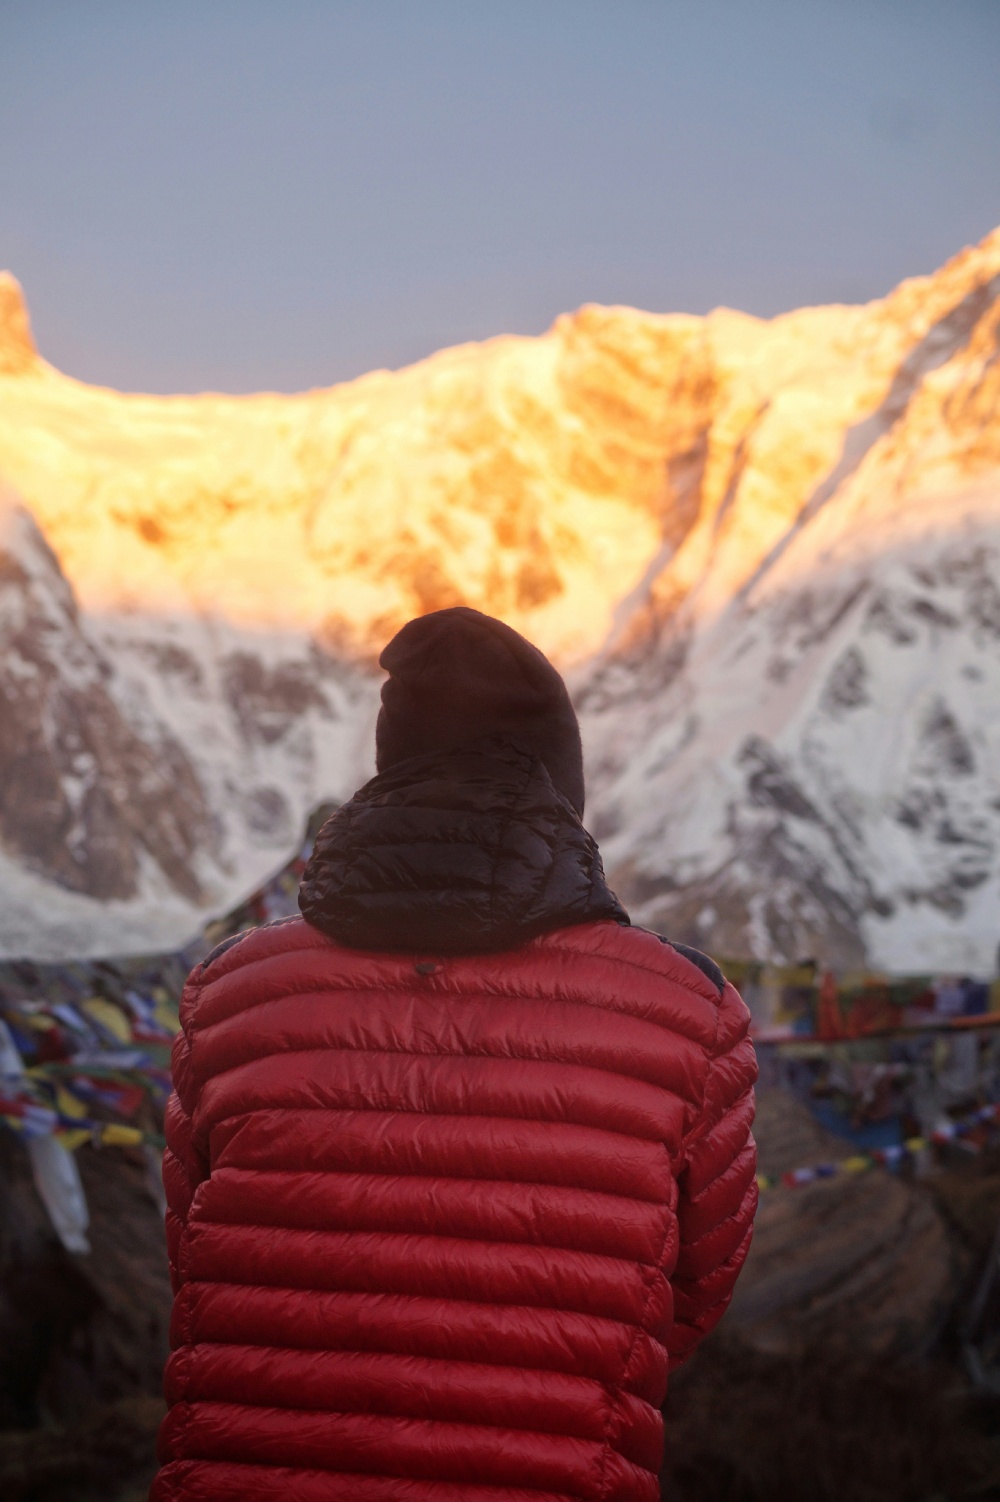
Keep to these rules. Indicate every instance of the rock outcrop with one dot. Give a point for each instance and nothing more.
(17, 346)
(859, 1265)
(84, 795)
(144, 781)
(78, 1332)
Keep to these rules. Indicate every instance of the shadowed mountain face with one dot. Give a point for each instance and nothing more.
(820, 776)
(769, 553)
(797, 735)
(85, 796)
(144, 776)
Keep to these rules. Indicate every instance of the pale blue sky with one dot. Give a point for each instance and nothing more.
(239, 194)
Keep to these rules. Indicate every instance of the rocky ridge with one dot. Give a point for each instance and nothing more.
(796, 736)
(768, 552)
(144, 776)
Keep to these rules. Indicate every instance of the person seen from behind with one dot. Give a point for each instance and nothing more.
(459, 1163)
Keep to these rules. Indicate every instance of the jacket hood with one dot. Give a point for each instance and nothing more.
(457, 675)
(458, 852)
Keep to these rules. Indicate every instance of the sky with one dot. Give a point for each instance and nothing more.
(277, 194)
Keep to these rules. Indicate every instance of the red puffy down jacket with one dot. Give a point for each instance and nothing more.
(439, 1226)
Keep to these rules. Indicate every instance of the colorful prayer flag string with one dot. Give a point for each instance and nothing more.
(891, 1157)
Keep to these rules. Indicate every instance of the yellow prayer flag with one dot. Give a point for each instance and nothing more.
(68, 1105)
(114, 1135)
(166, 1016)
(108, 1016)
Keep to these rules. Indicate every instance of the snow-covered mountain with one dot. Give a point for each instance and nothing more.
(796, 738)
(148, 778)
(767, 552)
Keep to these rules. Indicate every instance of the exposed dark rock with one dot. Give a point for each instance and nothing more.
(968, 1197)
(944, 748)
(774, 890)
(647, 661)
(958, 843)
(826, 1427)
(267, 813)
(885, 616)
(847, 686)
(174, 662)
(769, 780)
(685, 475)
(933, 614)
(820, 1402)
(856, 1263)
(984, 602)
(76, 1332)
(111, 1453)
(807, 619)
(916, 806)
(82, 794)
(789, 1136)
(267, 702)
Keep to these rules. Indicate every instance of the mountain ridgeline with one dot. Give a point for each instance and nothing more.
(766, 553)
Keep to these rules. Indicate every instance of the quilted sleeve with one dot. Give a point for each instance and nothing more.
(718, 1186)
(183, 1166)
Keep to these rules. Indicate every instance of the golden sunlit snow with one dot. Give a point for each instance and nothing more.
(537, 479)
(766, 549)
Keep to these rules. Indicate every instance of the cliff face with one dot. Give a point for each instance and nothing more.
(84, 794)
(767, 552)
(796, 737)
(151, 769)
(533, 478)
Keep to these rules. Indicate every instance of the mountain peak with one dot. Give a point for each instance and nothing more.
(769, 550)
(17, 346)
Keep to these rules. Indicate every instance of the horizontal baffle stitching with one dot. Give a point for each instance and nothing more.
(727, 1220)
(319, 941)
(398, 1418)
(400, 1110)
(401, 1293)
(381, 988)
(419, 1111)
(450, 883)
(409, 1053)
(439, 1361)
(283, 1465)
(512, 995)
(442, 1177)
(450, 1360)
(631, 964)
(423, 1298)
(439, 1236)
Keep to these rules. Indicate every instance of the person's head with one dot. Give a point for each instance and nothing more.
(456, 675)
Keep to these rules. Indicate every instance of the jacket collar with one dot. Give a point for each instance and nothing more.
(465, 851)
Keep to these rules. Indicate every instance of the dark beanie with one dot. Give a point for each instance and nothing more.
(456, 675)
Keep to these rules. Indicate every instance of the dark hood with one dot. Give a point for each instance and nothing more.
(457, 852)
(456, 676)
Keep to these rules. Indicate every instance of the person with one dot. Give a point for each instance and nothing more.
(459, 1162)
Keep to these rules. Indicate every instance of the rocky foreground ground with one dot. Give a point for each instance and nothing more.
(837, 1375)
